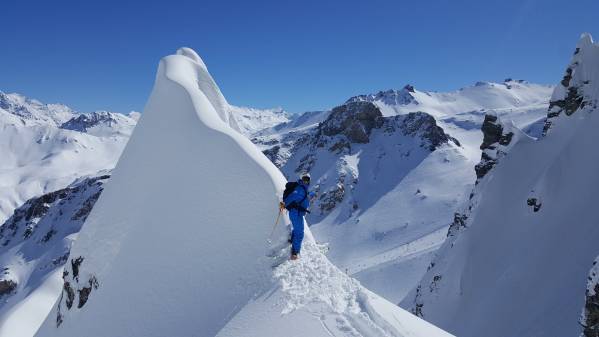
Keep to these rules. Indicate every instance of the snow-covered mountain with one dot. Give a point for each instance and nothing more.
(45, 147)
(249, 121)
(35, 243)
(391, 168)
(171, 258)
(518, 256)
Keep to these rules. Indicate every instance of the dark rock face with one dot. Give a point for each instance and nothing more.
(7, 287)
(493, 136)
(85, 121)
(273, 153)
(459, 222)
(355, 120)
(73, 289)
(570, 104)
(573, 98)
(38, 229)
(85, 291)
(331, 198)
(419, 124)
(25, 219)
(492, 131)
(534, 203)
(590, 316)
(591, 307)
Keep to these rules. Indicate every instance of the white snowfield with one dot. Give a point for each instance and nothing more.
(177, 243)
(40, 155)
(516, 270)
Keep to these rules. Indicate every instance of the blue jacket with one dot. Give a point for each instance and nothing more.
(300, 193)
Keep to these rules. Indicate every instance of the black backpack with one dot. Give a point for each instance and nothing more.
(289, 188)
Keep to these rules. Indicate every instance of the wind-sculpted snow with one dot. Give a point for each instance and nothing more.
(185, 217)
(517, 263)
(177, 243)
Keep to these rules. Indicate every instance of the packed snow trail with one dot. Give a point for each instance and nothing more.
(314, 298)
(176, 244)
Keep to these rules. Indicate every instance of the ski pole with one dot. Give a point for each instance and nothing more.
(275, 225)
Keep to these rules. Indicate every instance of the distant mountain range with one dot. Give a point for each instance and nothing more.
(390, 169)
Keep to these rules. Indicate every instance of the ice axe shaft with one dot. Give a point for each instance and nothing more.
(275, 225)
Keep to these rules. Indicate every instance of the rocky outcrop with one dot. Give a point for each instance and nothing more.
(40, 232)
(419, 125)
(498, 138)
(590, 313)
(349, 129)
(7, 287)
(576, 89)
(83, 122)
(74, 290)
(354, 120)
(24, 221)
(495, 139)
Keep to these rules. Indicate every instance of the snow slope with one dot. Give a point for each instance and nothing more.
(250, 121)
(34, 245)
(187, 255)
(46, 147)
(385, 201)
(518, 264)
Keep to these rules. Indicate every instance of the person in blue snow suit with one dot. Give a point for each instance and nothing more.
(297, 203)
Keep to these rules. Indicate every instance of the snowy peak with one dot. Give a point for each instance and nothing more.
(100, 123)
(22, 110)
(250, 121)
(498, 137)
(388, 97)
(18, 110)
(578, 89)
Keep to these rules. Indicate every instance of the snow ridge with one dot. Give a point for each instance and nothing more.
(515, 264)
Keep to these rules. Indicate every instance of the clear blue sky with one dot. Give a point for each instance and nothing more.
(301, 55)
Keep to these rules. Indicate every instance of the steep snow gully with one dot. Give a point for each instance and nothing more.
(186, 255)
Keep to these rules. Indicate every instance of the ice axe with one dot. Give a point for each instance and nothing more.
(281, 208)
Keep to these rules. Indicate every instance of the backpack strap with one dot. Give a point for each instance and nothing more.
(305, 193)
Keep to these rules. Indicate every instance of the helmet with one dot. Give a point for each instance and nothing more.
(306, 176)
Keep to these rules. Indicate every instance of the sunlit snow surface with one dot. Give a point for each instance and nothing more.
(514, 270)
(178, 240)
